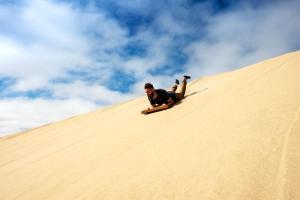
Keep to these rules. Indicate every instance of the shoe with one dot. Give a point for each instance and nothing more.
(177, 81)
(186, 77)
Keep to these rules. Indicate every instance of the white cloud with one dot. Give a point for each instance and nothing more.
(88, 92)
(45, 39)
(245, 36)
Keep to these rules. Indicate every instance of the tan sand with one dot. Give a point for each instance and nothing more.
(236, 136)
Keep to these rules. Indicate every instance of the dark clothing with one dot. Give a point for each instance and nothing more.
(173, 95)
(162, 97)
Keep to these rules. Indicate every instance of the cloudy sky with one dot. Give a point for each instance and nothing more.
(61, 58)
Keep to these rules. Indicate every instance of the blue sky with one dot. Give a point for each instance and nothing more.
(62, 58)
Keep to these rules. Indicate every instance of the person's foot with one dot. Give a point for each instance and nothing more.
(186, 77)
(177, 82)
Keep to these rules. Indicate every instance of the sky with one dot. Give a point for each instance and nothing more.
(60, 58)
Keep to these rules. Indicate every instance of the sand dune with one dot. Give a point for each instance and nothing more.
(235, 136)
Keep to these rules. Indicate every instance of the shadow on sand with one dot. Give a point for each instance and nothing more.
(193, 93)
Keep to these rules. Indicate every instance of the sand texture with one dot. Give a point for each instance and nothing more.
(236, 136)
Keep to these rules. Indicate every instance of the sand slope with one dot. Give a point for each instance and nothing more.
(236, 136)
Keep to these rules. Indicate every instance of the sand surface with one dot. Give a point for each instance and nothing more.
(235, 136)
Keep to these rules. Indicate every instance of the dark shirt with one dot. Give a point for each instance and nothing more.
(162, 97)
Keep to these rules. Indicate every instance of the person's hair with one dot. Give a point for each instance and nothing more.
(148, 86)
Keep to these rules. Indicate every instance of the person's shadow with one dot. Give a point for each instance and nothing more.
(193, 93)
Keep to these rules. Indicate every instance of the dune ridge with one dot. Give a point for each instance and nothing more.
(235, 136)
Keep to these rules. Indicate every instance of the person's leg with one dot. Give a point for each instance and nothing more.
(174, 88)
(181, 94)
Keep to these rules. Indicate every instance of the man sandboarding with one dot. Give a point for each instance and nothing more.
(161, 99)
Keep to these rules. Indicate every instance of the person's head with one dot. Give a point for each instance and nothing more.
(149, 89)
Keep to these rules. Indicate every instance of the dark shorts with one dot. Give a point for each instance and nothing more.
(173, 95)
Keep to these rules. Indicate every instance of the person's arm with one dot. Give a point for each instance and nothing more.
(157, 108)
(168, 105)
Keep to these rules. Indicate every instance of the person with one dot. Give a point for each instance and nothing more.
(166, 99)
